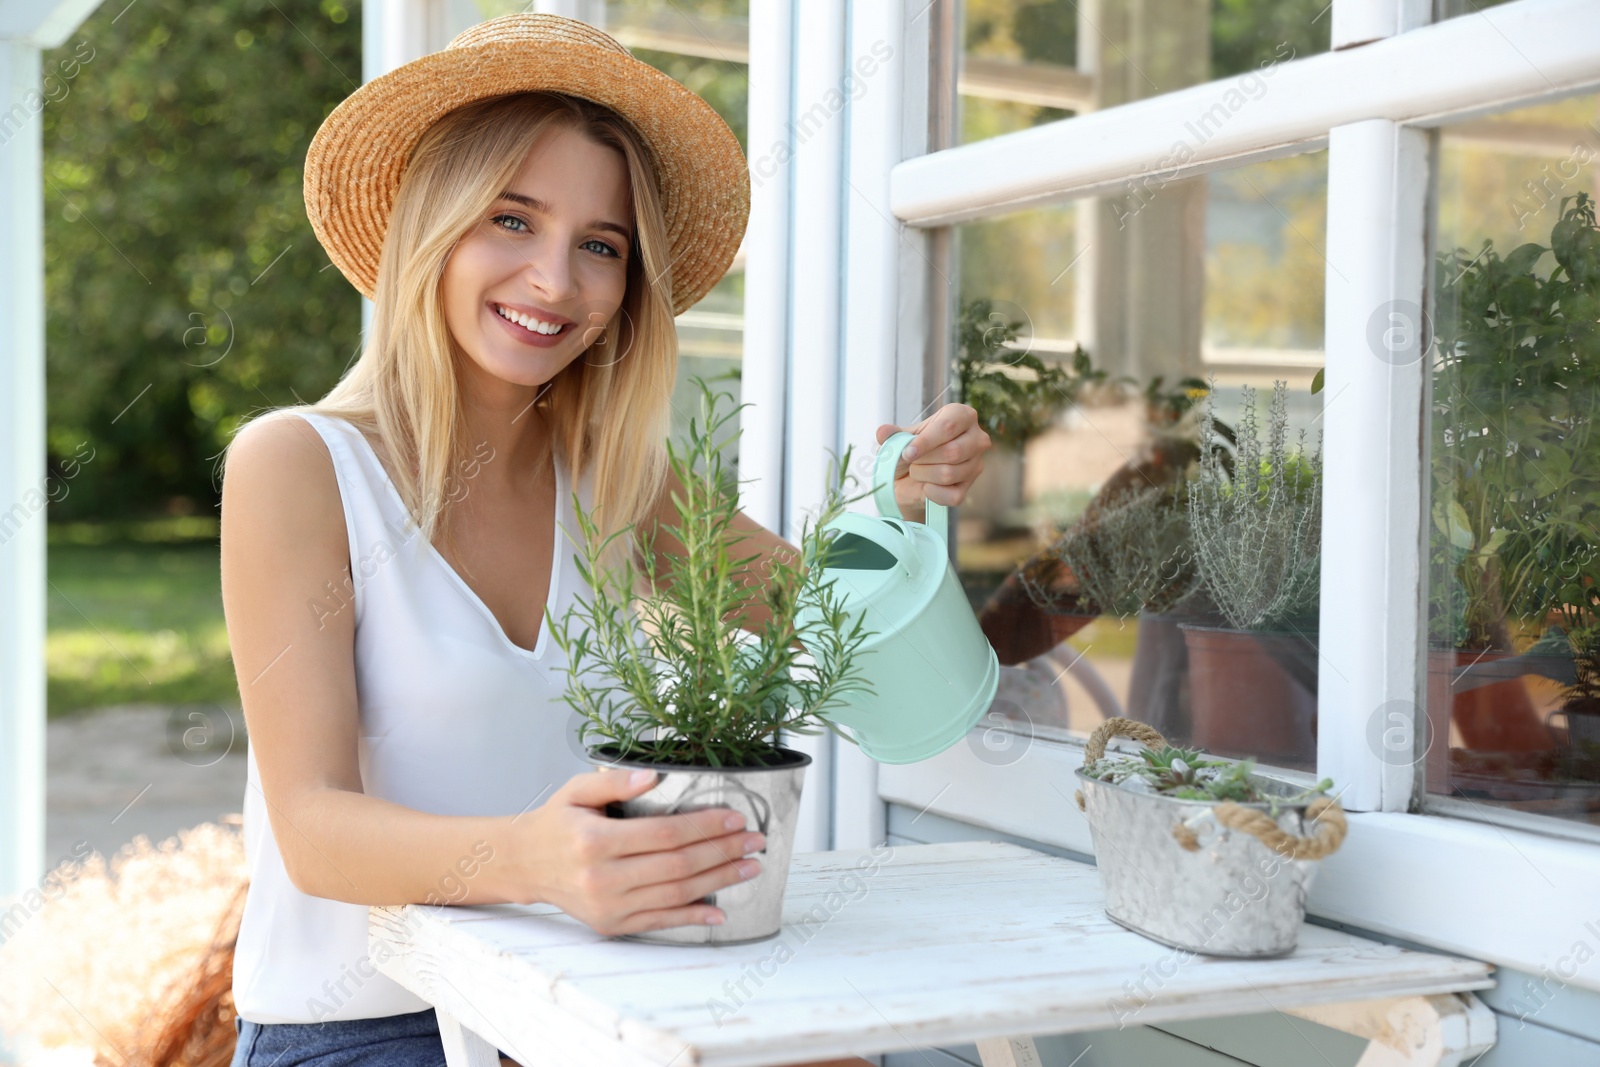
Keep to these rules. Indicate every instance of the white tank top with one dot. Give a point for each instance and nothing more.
(455, 720)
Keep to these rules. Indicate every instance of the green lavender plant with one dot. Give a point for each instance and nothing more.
(665, 678)
(1258, 531)
(1134, 553)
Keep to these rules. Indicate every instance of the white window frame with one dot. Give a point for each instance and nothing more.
(1370, 101)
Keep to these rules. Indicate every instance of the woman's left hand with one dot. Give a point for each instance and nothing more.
(941, 463)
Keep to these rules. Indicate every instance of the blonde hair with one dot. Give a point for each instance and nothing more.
(607, 411)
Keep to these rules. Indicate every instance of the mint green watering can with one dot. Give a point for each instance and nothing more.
(931, 669)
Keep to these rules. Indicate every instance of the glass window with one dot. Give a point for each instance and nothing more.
(1028, 62)
(1513, 669)
(1145, 539)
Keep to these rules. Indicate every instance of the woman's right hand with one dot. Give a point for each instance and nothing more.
(625, 876)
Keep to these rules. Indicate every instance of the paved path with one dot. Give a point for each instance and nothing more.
(140, 769)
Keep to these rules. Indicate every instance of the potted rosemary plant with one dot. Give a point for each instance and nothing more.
(663, 681)
(1257, 533)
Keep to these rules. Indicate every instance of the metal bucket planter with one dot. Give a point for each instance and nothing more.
(769, 799)
(1216, 878)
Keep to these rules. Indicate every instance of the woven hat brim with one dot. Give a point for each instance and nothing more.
(355, 162)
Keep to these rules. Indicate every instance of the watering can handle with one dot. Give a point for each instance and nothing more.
(937, 518)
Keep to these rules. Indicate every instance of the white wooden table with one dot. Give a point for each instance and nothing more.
(892, 949)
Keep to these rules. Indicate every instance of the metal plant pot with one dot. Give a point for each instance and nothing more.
(1220, 879)
(769, 799)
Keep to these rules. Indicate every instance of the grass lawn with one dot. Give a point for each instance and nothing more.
(135, 615)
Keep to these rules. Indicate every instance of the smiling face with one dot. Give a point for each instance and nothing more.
(530, 286)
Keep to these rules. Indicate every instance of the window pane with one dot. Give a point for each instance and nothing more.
(1028, 62)
(1115, 568)
(1514, 660)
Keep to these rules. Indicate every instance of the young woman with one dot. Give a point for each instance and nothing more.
(529, 209)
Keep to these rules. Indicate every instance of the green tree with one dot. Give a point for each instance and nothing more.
(184, 286)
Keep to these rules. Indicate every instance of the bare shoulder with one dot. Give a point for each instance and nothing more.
(280, 465)
(281, 510)
(283, 443)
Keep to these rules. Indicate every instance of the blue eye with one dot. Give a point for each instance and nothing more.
(603, 248)
(496, 219)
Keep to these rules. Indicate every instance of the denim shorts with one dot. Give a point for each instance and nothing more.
(410, 1040)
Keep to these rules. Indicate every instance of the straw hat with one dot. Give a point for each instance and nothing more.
(354, 165)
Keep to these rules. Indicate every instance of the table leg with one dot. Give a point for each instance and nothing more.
(1008, 1052)
(1449, 1030)
(462, 1047)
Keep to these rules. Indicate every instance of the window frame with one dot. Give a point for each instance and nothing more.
(1404, 871)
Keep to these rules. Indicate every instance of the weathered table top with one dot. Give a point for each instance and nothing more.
(902, 947)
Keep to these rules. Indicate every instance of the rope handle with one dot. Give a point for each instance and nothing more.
(1120, 727)
(1326, 812)
(1116, 726)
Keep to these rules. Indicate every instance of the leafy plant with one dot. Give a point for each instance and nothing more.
(1131, 550)
(1016, 394)
(670, 682)
(1134, 553)
(1186, 774)
(1258, 528)
(1516, 482)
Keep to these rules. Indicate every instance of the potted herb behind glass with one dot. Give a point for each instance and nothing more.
(662, 680)
(1131, 553)
(1515, 581)
(1257, 532)
(1017, 396)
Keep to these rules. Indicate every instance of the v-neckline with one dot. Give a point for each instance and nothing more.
(542, 642)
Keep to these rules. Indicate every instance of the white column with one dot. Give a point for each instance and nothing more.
(875, 66)
(764, 381)
(1362, 21)
(1369, 679)
(816, 131)
(1371, 689)
(393, 33)
(25, 30)
(591, 11)
(22, 470)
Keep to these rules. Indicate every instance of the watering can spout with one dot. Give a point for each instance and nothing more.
(931, 668)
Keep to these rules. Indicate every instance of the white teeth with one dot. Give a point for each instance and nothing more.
(528, 322)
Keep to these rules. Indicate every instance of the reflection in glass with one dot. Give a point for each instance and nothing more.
(1028, 62)
(1514, 635)
(1145, 539)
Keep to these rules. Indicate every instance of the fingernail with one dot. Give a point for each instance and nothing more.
(910, 452)
(734, 822)
(640, 777)
(714, 919)
(754, 843)
(749, 868)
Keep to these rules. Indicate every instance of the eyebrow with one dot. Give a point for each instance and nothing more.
(533, 203)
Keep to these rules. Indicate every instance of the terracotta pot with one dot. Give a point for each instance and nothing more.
(1492, 716)
(1249, 694)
